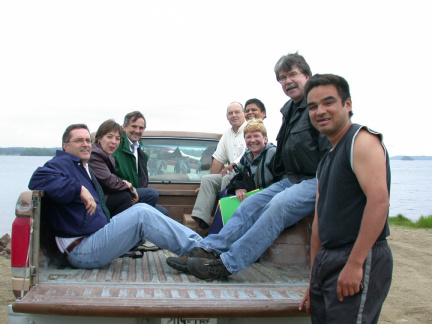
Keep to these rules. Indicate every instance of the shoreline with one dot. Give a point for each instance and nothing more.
(409, 298)
(413, 220)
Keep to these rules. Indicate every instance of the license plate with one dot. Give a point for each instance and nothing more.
(189, 321)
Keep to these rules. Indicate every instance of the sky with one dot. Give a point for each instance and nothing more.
(182, 62)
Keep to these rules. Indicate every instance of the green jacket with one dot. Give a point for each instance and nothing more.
(126, 165)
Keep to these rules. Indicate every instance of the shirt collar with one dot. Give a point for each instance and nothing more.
(136, 144)
(240, 128)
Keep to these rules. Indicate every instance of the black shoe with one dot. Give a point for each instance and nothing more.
(134, 254)
(207, 269)
(180, 263)
(202, 227)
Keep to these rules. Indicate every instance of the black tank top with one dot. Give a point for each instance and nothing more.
(341, 200)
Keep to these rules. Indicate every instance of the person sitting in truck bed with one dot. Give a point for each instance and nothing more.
(230, 149)
(255, 109)
(119, 194)
(258, 221)
(255, 169)
(78, 216)
(131, 161)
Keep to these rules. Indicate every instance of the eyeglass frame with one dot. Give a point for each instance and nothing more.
(291, 75)
(80, 141)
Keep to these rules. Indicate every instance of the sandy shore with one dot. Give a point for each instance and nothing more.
(410, 297)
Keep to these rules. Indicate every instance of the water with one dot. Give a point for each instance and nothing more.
(15, 173)
(411, 190)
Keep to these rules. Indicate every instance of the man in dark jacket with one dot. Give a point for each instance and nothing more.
(83, 232)
(259, 220)
(131, 161)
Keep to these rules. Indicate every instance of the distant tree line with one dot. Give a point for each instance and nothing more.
(28, 151)
(36, 151)
(11, 150)
(411, 158)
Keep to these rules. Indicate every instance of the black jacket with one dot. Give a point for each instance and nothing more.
(300, 146)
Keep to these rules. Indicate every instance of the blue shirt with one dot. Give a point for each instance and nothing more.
(61, 178)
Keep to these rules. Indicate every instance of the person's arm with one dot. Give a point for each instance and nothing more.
(220, 156)
(133, 192)
(107, 179)
(315, 246)
(315, 240)
(62, 189)
(51, 178)
(228, 169)
(237, 185)
(88, 200)
(369, 164)
(216, 166)
(241, 194)
(270, 166)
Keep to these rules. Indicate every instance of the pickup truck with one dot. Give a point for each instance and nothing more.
(140, 287)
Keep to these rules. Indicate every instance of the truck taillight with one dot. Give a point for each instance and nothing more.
(20, 245)
(20, 241)
(21, 231)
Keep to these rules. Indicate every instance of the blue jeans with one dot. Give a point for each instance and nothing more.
(150, 196)
(259, 221)
(217, 223)
(126, 230)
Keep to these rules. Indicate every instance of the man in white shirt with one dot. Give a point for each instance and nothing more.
(230, 149)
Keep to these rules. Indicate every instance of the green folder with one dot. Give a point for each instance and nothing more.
(228, 205)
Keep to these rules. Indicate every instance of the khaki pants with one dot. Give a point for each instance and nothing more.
(211, 186)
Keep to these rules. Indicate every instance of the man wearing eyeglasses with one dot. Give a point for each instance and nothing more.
(131, 161)
(79, 219)
(260, 219)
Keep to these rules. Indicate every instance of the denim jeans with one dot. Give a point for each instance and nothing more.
(217, 223)
(259, 220)
(150, 196)
(126, 230)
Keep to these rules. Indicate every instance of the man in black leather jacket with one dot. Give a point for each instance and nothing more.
(258, 221)
(300, 146)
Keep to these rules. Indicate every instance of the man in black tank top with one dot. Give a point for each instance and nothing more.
(350, 259)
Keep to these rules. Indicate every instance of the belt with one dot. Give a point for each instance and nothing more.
(73, 245)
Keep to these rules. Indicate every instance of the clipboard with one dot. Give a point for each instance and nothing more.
(228, 205)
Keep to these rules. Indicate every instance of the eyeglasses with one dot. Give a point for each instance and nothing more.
(80, 141)
(292, 75)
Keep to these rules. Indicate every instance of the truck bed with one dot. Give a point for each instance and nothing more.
(148, 287)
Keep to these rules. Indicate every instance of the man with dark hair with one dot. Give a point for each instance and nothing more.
(68, 132)
(255, 109)
(131, 161)
(350, 258)
(82, 228)
(261, 218)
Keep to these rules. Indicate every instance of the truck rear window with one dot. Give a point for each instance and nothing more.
(173, 159)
